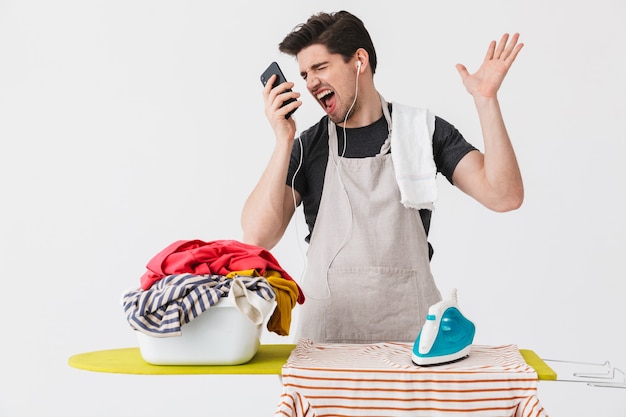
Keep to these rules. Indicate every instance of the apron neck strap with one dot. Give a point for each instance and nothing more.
(332, 132)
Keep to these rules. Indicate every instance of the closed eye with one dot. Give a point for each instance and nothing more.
(316, 68)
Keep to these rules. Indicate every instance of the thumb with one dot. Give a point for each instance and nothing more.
(462, 70)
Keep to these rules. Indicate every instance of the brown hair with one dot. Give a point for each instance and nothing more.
(341, 32)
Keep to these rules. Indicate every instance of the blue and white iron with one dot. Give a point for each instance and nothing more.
(446, 336)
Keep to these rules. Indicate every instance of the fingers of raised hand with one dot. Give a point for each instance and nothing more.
(506, 49)
(512, 47)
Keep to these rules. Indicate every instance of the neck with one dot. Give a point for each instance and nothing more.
(367, 109)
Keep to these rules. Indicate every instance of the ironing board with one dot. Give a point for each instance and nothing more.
(269, 360)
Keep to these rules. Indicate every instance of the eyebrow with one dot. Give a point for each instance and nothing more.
(313, 67)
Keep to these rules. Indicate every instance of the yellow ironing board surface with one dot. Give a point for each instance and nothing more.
(544, 372)
(269, 360)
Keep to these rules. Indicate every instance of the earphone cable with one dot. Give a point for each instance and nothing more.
(295, 206)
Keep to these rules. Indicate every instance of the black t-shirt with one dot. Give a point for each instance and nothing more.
(449, 147)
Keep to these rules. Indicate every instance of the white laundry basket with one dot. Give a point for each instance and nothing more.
(221, 335)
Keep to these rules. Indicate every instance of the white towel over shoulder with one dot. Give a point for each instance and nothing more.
(412, 154)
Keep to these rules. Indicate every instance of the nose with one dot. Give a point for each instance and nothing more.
(312, 82)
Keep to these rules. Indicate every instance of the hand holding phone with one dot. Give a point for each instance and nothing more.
(280, 78)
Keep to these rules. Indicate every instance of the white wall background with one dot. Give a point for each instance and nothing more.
(126, 125)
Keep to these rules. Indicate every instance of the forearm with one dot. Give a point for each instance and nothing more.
(501, 170)
(266, 212)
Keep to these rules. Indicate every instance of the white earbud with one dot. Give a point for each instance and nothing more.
(358, 65)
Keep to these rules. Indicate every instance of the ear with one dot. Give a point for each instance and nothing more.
(362, 59)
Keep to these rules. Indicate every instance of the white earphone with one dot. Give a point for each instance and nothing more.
(358, 65)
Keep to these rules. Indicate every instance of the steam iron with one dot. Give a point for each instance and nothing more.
(447, 335)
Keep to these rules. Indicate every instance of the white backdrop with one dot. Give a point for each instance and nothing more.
(126, 125)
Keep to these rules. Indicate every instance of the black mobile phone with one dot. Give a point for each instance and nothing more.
(280, 78)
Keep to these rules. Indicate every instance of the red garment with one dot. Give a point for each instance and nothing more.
(218, 257)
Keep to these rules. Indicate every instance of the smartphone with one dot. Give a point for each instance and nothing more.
(280, 78)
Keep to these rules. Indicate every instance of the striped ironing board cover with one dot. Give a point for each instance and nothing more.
(381, 380)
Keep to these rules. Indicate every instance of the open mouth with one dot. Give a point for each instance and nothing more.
(325, 97)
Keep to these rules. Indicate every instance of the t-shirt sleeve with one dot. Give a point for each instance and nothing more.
(449, 147)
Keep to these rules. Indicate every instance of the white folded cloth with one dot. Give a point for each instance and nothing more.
(412, 154)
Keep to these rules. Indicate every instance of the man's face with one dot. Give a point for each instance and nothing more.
(330, 80)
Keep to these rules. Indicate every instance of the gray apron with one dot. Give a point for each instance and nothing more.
(368, 275)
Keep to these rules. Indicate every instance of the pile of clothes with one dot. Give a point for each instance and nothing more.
(189, 276)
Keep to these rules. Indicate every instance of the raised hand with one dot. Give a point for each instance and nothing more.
(487, 80)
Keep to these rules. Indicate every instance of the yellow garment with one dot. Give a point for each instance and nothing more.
(286, 298)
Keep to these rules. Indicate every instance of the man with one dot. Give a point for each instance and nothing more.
(368, 275)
